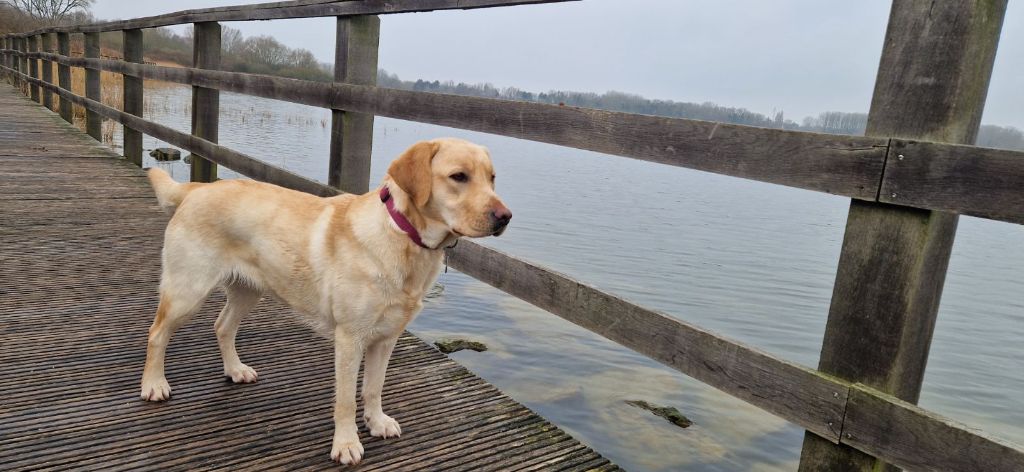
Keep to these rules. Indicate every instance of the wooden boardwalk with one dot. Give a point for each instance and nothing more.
(80, 237)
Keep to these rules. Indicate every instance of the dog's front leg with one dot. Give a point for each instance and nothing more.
(348, 352)
(377, 355)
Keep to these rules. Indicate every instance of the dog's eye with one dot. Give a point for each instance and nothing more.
(459, 177)
(492, 177)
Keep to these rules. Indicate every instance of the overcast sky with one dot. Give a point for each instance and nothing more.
(799, 56)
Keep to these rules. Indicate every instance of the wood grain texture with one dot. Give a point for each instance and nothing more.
(132, 95)
(64, 76)
(795, 393)
(46, 45)
(93, 122)
(932, 82)
(355, 62)
(292, 9)
(33, 66)
(318, 94)
(206, 54)
(88, 268)
(981, 182)
(919, 440)
(842, 165)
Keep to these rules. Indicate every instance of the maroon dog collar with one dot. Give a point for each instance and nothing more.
(400, 219)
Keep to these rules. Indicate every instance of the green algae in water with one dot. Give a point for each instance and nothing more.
(669, 413)
(449, 346)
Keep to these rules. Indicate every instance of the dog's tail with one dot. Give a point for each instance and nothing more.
(168, 192)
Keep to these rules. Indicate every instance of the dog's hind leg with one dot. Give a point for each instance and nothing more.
(241, 300)
(180, 299)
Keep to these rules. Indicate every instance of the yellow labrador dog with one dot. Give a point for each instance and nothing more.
(358, 265)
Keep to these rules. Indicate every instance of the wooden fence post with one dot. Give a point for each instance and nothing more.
(33, 66)
(206, 51)
(132, 94)
(47, 46)
(93, 121)
(932, 83)
(355, 62)
(64, 76)
(23, 61)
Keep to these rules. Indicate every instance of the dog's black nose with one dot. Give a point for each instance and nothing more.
(501, 216)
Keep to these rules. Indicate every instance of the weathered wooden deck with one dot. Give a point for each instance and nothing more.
(80, 236)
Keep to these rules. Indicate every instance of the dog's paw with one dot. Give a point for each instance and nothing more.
(383, 426)
(241, 374)
(155, 390)
(346, 449)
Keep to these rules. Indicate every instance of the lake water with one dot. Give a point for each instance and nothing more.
(753, 261)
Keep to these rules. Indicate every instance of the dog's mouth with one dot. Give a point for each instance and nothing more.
(500, 230)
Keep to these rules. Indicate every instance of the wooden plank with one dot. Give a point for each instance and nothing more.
(293, 9)
(842, 165)
(932, 82)
(963, 179)
(33, 66)
(132, 94)
(790, 391)
(919, 440)
(47, 46)
(93, 122)
(64, 76)
(355, 62)
(205, 101)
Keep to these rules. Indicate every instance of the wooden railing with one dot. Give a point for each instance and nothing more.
(904, 190)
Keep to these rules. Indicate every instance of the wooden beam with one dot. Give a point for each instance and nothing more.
(964, 179)
(23, 61)
(941, 188)
(47, 46)
(842, 165)
(917, 439)
(93, 91)
(206, 53)
(355, 62)
(932, 82)
(33, 66)
(292, 9)
(64, 76)
(788, 390)
(132, 95)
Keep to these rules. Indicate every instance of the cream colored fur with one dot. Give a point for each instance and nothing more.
(341, 262)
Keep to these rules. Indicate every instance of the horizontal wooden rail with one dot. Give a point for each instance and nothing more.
(875, 423)
(969, 180)
(285, 10)
(988, 183)
(850, 166)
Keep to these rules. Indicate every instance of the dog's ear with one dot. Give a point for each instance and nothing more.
(411, 171)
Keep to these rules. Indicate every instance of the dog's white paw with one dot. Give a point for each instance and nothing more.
(241, 373)
(346, 448)
(156, 390)
(383, 426)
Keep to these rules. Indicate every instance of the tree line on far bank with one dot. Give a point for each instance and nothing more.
(267, 55)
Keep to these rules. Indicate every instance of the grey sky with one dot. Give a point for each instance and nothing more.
(800, 56)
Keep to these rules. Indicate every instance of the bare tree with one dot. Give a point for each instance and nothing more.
(49, 12)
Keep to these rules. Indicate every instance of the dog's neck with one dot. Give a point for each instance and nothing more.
(421, 230)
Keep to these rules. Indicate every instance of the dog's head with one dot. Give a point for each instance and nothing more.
(452, 181)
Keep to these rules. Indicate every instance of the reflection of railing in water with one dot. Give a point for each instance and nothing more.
(897, 241)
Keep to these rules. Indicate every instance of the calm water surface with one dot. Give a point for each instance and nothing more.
(753, 261)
